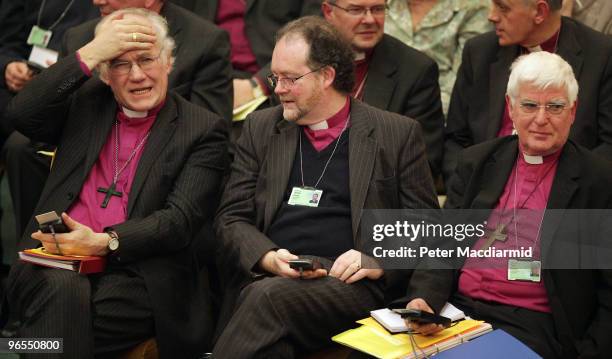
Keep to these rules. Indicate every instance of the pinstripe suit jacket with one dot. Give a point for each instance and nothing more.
(173, 192)
(387, 164)
(403, 80)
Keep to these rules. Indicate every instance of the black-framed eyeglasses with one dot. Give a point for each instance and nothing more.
(376, 11)
(145, 63)
(288, 82)
(553, 108)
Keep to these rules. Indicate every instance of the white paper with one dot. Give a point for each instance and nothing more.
(42, 56)
(392, 321)
(450, 311)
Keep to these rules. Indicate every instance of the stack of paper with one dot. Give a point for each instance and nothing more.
(240, 113)
(373, 339)
(392, 321)
(450, 311)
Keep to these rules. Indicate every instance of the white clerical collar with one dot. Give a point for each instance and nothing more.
(360, 56)
(134, 114)
(533, 160)
(319, 126)
(536, 48)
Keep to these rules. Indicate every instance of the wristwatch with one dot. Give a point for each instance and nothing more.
(113, 242)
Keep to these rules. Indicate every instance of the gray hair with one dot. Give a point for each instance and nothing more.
(543, 70)
(160, 26)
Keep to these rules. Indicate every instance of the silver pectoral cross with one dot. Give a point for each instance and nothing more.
(499, 234)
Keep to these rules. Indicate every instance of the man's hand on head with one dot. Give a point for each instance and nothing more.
(17, 75)
(116, 36)
(80, 240)
(277, 263)
(348, 268)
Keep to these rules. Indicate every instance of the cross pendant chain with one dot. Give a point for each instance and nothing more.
(499, 234)
(111, 190)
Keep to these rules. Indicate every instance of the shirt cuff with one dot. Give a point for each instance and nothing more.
(84, 67)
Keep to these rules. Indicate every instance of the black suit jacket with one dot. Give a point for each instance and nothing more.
(263, 18)
(173, 192)
(580, 299)
(202, 71)
(387, 165)
(405, 81)
(477, 102)
(16, 20)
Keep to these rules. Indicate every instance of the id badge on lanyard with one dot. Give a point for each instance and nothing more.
(305, 196)
(39, 36)
(524, 270)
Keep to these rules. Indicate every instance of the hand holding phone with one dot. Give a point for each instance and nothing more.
(303, 264)
(423, 317)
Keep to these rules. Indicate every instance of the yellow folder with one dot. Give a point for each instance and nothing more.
(373, 339)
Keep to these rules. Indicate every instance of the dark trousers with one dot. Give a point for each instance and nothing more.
(27, 172)
(280, 318)
(98, 315)
(534, 329)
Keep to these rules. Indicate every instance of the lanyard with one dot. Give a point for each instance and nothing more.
(514, 216)
(60, 18)
(328, 160)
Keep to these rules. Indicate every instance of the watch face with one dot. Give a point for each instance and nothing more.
(113, 244)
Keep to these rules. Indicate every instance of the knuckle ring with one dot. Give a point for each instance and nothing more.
(57, 246)
(134, 36)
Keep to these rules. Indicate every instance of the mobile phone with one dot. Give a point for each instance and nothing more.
(304, 264)
(423, 317)
(49, 220)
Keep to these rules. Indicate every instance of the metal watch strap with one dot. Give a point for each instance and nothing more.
(114, 237)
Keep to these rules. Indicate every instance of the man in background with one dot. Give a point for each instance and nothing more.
(478, 110)
(390, 75)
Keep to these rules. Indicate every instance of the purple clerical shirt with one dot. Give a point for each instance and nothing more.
(321, 138)
(230, 17)
(361, 73)
(86, 209)
(487, 278)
